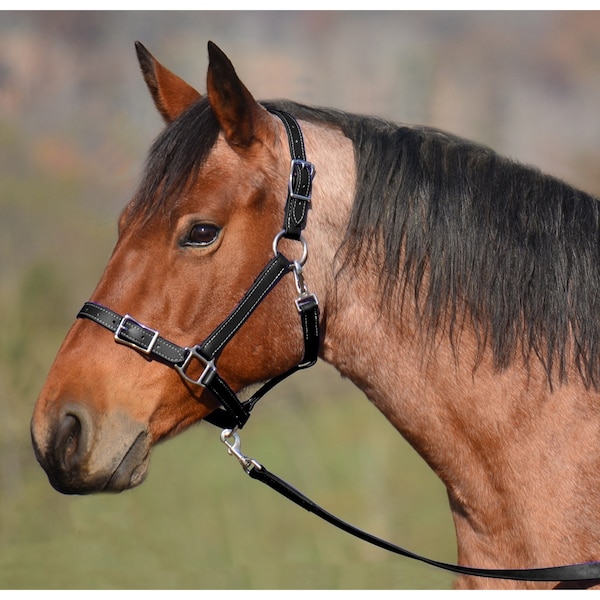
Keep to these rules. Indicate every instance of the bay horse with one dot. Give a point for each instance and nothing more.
(459, 290)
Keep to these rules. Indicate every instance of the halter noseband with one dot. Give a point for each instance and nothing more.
(233, 412)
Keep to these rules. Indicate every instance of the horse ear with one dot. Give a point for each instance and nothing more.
(171, 94)
(242, 119)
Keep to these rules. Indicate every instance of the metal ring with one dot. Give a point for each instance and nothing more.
(278, 237)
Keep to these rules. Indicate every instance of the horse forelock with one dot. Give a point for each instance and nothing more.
(175, 159)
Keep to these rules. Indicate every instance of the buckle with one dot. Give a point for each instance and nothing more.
(137, 342)
(209, 371)
(306, 302)
(302, 164)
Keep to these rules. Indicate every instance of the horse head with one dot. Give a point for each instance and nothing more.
(191, 241)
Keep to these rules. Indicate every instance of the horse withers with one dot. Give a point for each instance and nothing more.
(457, 289)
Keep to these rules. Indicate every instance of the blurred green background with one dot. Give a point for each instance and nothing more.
(75, 123)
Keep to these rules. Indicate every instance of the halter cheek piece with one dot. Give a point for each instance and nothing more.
(234, 413)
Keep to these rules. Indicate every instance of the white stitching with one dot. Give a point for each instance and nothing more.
(237, 309)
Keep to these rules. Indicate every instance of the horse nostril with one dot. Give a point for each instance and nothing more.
(68, 442)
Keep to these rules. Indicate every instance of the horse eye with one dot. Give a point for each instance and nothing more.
(202, 234)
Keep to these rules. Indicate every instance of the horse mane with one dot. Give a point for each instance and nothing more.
(475, 237)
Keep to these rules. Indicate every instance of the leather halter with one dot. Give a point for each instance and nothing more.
(234, 413)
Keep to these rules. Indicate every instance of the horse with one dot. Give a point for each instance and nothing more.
(458, 289)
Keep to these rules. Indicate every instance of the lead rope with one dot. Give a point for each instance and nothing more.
(576, 572)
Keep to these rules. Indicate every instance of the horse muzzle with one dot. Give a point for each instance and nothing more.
(83, 453)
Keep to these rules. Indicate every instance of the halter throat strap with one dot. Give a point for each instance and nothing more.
(233, 412)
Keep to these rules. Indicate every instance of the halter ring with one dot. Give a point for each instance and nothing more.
(302, 260)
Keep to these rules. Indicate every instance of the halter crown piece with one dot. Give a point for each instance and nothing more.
(234, 413)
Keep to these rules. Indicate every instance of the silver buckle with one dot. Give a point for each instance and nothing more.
(131, 343)
(208, 373)
(306, 302)
(303, 164)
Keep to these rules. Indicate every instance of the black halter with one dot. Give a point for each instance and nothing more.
(234, 413)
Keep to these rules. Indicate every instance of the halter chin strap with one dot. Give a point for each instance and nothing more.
(233, 412)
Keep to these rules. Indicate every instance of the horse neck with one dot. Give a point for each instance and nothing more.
(520, 462)
(519, 459)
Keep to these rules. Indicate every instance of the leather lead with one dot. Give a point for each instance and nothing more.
(576, 572)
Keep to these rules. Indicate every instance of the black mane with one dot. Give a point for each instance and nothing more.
(477, 239)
